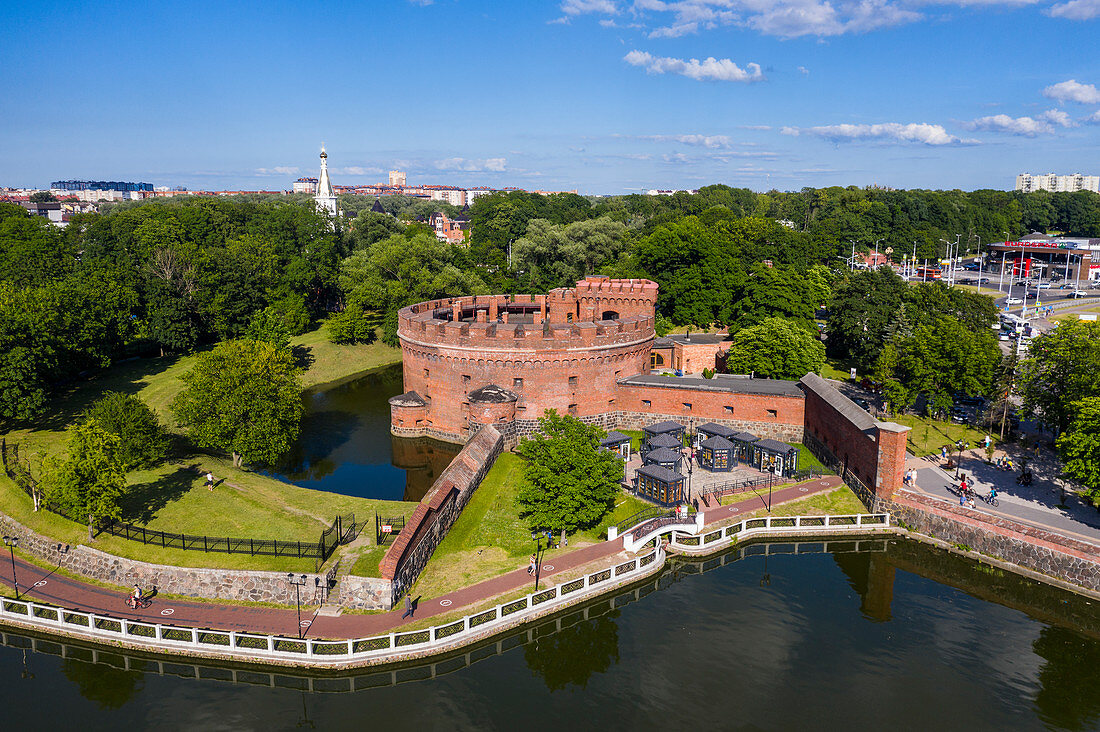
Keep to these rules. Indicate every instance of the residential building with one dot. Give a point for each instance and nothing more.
(397, 178)
(306, 185)
(1057, 183)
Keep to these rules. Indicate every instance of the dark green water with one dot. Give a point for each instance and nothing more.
(903, 637)
(346, 446)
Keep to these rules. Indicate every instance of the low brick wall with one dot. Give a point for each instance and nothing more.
(212, 584)
(439, 509)
(1054, 555)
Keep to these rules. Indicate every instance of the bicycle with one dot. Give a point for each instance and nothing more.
(991, 499)
(136, 603)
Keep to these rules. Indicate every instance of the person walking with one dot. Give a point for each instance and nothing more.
(209, 481)
(531, 564)
(408, 607)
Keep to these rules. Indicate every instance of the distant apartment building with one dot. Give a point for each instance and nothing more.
(397, 178)
(453, 196)
(472, 194)
(1057, 183)
(668, 191)
(306, 185)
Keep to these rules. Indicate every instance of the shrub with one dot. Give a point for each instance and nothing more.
(142, 440)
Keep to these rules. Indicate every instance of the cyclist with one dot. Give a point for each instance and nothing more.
(992, 492)
(135, 597)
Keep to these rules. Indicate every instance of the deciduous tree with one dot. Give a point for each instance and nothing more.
(775, 349)
(91, 481)
(1079, 446)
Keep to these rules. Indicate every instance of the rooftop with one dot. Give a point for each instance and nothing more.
(662, 455)
(698, 338)
(614, 438)
(660, 473)
(720, 383)
(492, 393)
(662, 427)
(774, 446)
(712, 428)
(717, 443)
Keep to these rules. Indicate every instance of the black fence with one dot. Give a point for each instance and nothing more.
(343, 530)
(395, 524)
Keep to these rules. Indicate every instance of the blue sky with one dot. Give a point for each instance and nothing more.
(606, 96)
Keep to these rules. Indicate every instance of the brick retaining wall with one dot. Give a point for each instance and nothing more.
(1029, 547)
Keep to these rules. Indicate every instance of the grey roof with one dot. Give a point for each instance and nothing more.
(614, 438)
(662, 342)
(717, 443)
(699, 338)
(660, 473)
(773, 387)
(662, 427)
(663, 440)
(858, 417)
(408, 399)
(746, 437)
(713, 428)
(662, 455)
(492, 393)
(773, 445)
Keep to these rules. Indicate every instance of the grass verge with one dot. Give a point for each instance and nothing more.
(928, 435)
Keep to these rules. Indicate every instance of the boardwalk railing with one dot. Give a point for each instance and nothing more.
(774, 525)
(317, 652)
(716, 492)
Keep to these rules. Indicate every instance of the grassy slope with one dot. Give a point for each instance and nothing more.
(171, 498)
(928, 435)
(490, 539)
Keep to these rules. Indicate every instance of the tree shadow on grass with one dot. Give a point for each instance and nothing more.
(303, 356)
(143, 500)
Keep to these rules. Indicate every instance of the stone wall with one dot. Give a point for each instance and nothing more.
(365, 593)
(1041, 551)
(213, 584)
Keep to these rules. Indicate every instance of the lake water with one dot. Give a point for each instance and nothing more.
(346, 446)
(903, 637)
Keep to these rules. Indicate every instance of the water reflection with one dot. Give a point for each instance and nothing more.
(346, 446)
(931, 639)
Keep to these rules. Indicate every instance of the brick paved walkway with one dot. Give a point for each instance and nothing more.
(58, 589)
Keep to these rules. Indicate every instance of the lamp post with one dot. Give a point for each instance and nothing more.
(536, 536)
(958, 456)
(12, 542)
(298, 582)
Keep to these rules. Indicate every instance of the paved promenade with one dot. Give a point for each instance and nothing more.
(1036, 505)
(54, 588)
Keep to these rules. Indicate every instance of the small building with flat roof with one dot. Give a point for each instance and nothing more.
(772, 456)
(659, 485)
(617, 442)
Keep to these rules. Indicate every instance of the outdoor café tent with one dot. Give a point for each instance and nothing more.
(716, 454)
(659, 484)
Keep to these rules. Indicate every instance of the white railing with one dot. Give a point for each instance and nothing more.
(707, 541)
(316, 652)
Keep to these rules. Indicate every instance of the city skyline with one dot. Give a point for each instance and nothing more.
(600, 95)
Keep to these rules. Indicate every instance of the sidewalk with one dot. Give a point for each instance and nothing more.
(42, 584)
(1036, 505)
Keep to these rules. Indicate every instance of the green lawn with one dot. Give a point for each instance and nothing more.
(928, 435)
(838, 502)
(837, 369)
(489, 538)
(807, 459)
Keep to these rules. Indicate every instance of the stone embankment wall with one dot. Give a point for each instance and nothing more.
(365, 593)
(213, 584)
(1041, 551)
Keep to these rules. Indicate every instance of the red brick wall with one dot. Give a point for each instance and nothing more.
(692, 358)
(851, 446)
(764, 416)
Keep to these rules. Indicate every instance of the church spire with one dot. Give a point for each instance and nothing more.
(326, 197)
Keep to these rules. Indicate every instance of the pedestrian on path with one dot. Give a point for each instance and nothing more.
(943, 452)
(408, 607)
(531, 564)
(209, 481)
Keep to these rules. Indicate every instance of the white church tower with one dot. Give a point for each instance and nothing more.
(326, 197)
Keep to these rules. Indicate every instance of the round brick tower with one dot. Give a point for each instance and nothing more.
(565, 350)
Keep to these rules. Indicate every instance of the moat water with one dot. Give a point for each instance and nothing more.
(901, 636)
(346, 446)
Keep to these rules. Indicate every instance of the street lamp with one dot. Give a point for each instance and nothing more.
(958, 456)
(298, 582)
(12, 542)
(536, 536)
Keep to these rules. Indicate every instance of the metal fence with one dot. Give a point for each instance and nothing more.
(343, 529)
(387, 528)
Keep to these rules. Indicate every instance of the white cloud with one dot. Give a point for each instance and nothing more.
(675, 31)
(1075, 10)
(755, 127)
(1057, 117)
(583, 7)
(1023, 126)
(918, 132)
(708, 141)
(421, 2)
(709, 69)
(279, 170)
(677, 158)
(494, 165)
(1073, 91)
(803, 70)
(1093, 119)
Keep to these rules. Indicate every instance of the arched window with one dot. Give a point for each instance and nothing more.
(610, 315)
(656, 359)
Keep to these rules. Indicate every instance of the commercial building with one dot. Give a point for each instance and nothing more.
(1041, 256)
(1057, 183)
(99, 185)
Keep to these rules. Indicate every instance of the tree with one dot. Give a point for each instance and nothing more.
(569, 482)
(1079, 446)
(352, 325)
(42, 197)
(775, 349)
(244, 397)
(142, 441)
(860, 312)
(92, 480)
(1061, 369)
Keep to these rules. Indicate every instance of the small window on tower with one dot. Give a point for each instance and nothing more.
(517, 383)
(729, 409)
(572, 382)
(465, 379)
(647, 403)
(573, 410)
(773, 413)
(687, 406)
(426, 373)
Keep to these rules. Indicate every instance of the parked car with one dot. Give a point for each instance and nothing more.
(959, 416)
(968, 400)
(1078, 293)
(1014, 301)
